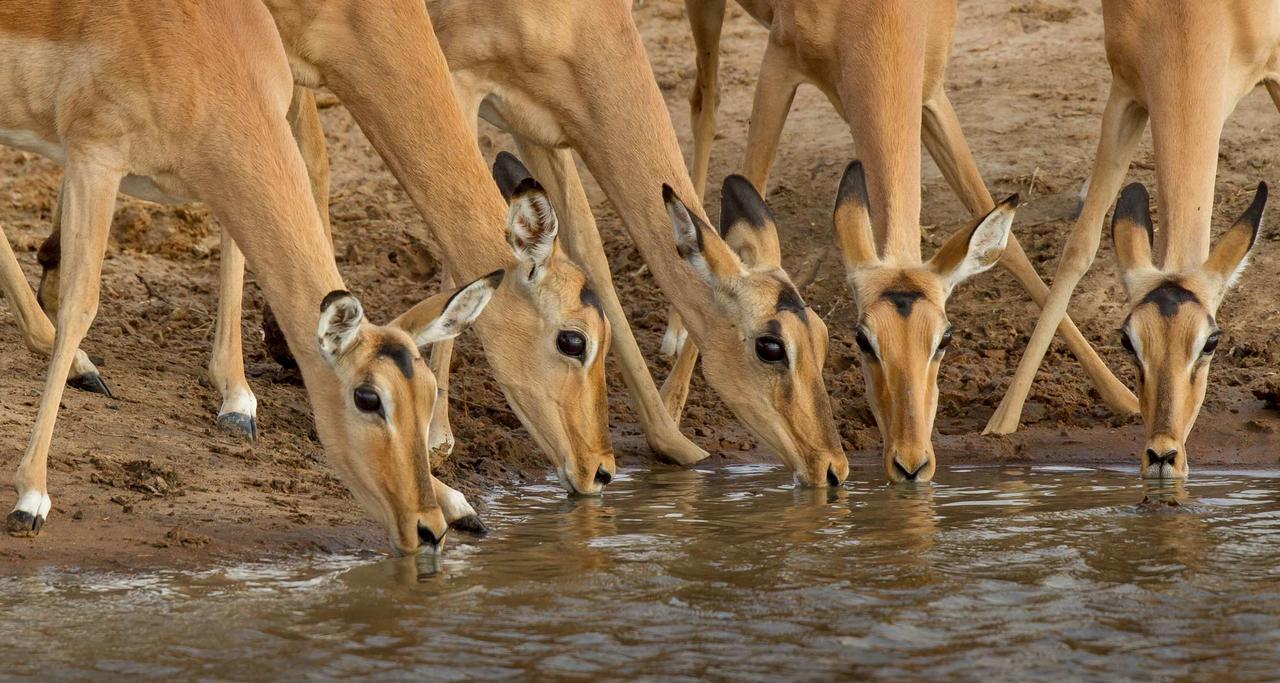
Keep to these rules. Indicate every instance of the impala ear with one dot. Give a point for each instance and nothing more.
(747, 225)
(1133, 233)
(852, 220)
(340, 318)
(508, 171)
(698, 244)
(1229, 258)
(975, 248)
(531, 229)
(445, 315)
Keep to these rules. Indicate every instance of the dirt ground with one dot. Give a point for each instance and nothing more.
(148, 479)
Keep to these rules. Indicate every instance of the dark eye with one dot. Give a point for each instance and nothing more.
(771, 350)
(1211, 344)
(571, 343)
(366, 399)
(1127, 343)
(946, 339)
(864, 343)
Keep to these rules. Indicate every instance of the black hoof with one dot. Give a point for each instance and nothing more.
(470, 524)
(90, 382)
(239, 423)
(22, 523)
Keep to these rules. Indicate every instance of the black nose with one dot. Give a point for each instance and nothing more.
(426, 536)
(603, 476)
(833, 479)
(1165, 458)
(909, 475)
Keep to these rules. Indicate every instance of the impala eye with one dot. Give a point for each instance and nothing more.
(771, 350)
(864, 343)
(1127, 343)
(946, 339)
(1211, 344)
(367, 400)
(571, 343)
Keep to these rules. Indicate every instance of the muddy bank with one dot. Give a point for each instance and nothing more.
(148, 478)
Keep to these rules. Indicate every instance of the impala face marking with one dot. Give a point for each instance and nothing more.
(382, 452)
(903, 332)
(554, 378)
(767, 361)
(1171, 332)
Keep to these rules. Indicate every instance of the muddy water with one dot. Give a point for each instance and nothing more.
(1004, 573)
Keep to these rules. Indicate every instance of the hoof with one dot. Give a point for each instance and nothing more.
(239, 423)
(24, 524)
(470, 524)
(90, 382)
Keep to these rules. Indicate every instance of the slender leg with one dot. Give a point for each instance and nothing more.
(457, 511)
(1122, 125)
(706, 18)
(86, 220)
(239, 410)
(556, 171)
(440, 435)
(304, 123)
(37, 329)
(1273, 89)
(946, 144)
(775, 91)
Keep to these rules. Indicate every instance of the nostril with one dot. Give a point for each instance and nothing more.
(603, 476)
(833, 479)
(907, 474)
(1166, 458)
(426, 536)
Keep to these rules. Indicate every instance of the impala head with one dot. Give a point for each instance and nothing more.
(764, 355)
(1170, 331)
(902, 330)
(376, 432)
(550, 340)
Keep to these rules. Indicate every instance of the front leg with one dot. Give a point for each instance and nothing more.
(239, 411)
(90, 188)
(457, 511)
(946, 144)
(1122, 125)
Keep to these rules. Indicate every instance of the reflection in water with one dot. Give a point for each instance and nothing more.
(996, 572)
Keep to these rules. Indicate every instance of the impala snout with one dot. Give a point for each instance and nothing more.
(908, 467)
(589, 476)
(1164, 458)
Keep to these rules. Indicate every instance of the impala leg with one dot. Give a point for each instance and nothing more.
(86, 220)
(946, 144)
(457, 511)
(440, 435)
(33, 322)
(1122, 125)
(239, 411)
(775, 91)
(706, 18)
(558, 174)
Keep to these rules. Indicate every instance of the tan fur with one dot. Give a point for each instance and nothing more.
(191, 103)
(1184, 65)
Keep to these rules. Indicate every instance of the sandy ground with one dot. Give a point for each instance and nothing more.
(147, 478)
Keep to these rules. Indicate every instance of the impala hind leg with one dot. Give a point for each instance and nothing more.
(946, 144)
(775, 92)
(239, 411)
(706, 19)
(1122, 125)
(90, 196)
(555, 169)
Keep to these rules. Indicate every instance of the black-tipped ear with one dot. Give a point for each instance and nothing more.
(697, 243)
(340, 318)
(1132, 230)
(852, 218)
(1230, 256)
(747, 225)
(531, 228)
(508, 172)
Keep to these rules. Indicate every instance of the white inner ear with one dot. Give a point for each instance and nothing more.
(339, 326)
(985, 247)
(462, 309)
(686, 232)
(533, 225)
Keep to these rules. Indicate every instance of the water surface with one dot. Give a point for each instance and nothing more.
(1056, 573)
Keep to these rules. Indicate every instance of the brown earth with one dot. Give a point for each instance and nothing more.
(148, 479)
